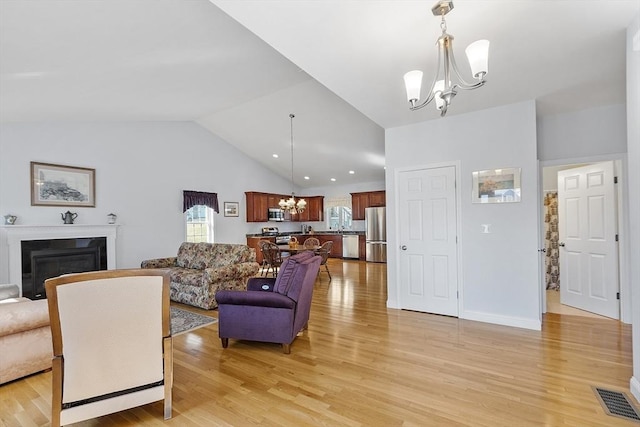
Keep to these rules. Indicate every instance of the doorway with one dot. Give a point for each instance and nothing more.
(580, 223)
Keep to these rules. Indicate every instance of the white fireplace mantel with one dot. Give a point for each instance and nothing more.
(15, 234)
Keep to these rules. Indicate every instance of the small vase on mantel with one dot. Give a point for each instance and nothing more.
(111, 218)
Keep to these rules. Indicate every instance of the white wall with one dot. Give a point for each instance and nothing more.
(499, 280)
(141, 170)
(585, 133)
(633, 150)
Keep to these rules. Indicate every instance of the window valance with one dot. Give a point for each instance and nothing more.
(193, 198)
(334, 202)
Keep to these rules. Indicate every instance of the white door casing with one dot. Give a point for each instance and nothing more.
(428, 242)
(587, 229)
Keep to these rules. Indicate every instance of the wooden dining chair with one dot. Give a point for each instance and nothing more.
(271, 253)
(261, 246)
(311, 243)
(324, 252)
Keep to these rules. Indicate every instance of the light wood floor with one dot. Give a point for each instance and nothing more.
(361, 364)
(554, 306)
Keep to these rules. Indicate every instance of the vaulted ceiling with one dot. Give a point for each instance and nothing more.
(239, 68)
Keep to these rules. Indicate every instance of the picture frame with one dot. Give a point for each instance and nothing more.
(62, 185)
(231, 209)
(496, 186)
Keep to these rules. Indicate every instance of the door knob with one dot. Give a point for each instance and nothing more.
(403, 247)
(562, 245)
(544, 250)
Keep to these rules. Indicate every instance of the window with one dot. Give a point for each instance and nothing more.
(339, 218)
(199, 224)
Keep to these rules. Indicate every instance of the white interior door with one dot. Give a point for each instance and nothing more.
(428, 248)
(587, 231)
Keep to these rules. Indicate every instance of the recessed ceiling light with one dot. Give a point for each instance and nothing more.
(352, 172)
(306, 177)
(275, 156)
(333, 179)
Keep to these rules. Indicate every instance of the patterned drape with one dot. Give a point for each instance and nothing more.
(192, 198)
(552, 260)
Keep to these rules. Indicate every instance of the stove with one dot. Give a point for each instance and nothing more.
(270, 231)
(274, 232)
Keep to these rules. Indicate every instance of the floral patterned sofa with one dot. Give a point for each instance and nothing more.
(201, 269)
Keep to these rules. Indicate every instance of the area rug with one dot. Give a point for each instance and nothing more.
(184, 321)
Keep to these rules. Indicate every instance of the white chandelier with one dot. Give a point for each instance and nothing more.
(443, 88)
(291, 205)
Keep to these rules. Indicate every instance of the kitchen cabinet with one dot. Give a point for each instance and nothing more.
(258, 205)
(314, 210)
(361, 201)
(362, 247)
(336, 249)
(377, 199)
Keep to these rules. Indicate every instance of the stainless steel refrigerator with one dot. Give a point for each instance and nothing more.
(375, 225)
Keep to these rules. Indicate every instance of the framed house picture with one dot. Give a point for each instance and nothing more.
(60, 185)
(231, 209)
(496, 186)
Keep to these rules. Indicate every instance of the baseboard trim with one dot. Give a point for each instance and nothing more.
(517, 322)
(634, 386)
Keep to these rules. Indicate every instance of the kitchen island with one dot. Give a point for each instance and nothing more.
(322, 236)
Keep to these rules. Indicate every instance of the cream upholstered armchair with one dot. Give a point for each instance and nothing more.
(112, 347)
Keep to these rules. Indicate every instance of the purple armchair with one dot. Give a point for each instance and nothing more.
(271, 309)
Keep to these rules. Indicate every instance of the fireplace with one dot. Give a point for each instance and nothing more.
(43, 259)
(84, 247)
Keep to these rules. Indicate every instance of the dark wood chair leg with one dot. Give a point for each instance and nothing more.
(225, 342)
(286, 348)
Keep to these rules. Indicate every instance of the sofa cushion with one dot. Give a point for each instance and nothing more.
(23, 315)
(194, 255)
(186, 276)
(199, 256)
(224, 254)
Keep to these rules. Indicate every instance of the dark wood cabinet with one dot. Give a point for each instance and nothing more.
(336, 249)
(314, 210)
(361, 201)
(377, 198)
(362, 247)
(258, 205)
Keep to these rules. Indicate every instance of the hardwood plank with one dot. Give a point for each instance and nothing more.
(362, 364)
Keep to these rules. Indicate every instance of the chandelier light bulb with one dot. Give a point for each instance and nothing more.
(413, 82)
(478, 56)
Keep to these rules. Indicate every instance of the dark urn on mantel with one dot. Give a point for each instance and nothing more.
(69, 217)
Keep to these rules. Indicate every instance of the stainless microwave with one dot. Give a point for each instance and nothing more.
(276, 214)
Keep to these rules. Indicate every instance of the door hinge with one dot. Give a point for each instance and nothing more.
(615, 179)
(458, 294)
(618, 295)
(616, 237)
